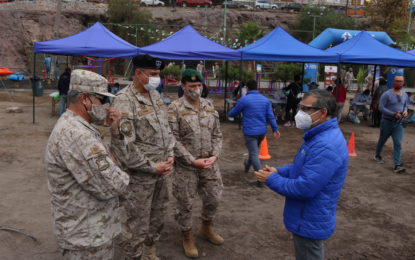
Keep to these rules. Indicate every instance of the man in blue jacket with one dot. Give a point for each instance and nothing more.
(313, 182)
(257, 112)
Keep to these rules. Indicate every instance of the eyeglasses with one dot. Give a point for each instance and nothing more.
(307, 108)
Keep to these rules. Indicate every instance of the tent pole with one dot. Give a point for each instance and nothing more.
(67, 61)
(240, 72)
(33, 85)
(226, 86)
(374, 79)
(302, 75)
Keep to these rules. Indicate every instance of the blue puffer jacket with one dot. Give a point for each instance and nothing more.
(257, 111)
(313, 182)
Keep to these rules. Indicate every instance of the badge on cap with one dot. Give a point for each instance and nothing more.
(158, 64)
(193, 77)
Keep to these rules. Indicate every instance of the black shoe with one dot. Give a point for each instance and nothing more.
(379, 159)
(399, 169)
(246, 166)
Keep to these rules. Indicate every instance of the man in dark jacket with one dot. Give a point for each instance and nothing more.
(63, 87)
(292, 92)
(257, 112)
(312, 183)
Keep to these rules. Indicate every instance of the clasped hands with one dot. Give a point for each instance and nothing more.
(205, 163)
(263, 175)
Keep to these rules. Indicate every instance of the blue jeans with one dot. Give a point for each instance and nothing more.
(63, 104)
(253, 142)
(308, 249)
(387, 129)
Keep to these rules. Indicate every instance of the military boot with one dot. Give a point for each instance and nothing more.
(149, 253)
(189, 247)
(206, 231)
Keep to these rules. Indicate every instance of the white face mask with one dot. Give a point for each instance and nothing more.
(153, 82)
(304, 120)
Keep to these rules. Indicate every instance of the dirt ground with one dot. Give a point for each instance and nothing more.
(375, 217)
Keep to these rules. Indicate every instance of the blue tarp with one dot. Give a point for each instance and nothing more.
(364, 49)
(279, 45)
(411, 52)
(95, 41)
(188, 44)
(336, 36)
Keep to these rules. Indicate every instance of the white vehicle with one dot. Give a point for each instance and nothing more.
(265, 4)
(152, 2)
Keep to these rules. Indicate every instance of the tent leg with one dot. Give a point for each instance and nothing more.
(374, 79)
(33, 85)
(67, 61)
(240, 72)
(226, 86)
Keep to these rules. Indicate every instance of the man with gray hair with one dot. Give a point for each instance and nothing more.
(313, 182)
(83, 177)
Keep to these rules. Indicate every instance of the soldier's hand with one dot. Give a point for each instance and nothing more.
(210, 161)
(113, 118)
(170, 160)
(163, 168)
(200, 163)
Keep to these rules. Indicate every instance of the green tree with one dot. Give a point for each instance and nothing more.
(287, 71)
(249, 32)
(387, 15)
(324, 18)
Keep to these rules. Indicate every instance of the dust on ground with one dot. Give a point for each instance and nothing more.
(375, 217)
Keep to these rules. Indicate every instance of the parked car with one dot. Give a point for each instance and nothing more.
(236, 4)
(292, 6)
(265, 4)
(186, 3)
(152, 3)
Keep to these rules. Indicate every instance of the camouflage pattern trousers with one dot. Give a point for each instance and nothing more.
(103, 252)
(142, 211)
(187, 183)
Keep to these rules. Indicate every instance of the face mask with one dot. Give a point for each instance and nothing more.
(303, 120)
(98, 113)
(193, 94)
(153, 83)
(398, 85)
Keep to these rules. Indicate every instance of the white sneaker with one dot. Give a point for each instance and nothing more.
(287, 124)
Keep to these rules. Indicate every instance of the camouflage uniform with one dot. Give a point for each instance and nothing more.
(198, 135)
(104, 252)
(146, 136)
(84, 184)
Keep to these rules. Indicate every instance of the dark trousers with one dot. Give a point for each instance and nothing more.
(253, 142)
(308, 249)
(290, 110)
(376, 116)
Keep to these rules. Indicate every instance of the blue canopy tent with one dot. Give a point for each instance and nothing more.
(95, 41)
(364, 49)
(278, 45)
(188, 44)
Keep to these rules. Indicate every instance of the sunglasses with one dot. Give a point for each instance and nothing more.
(102, 99)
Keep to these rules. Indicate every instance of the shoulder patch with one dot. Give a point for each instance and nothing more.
(126, 128)
(102, 163)
(95, 149)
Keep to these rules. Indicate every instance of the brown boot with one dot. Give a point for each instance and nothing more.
(149, 253)
(206, 230)
(189, 247)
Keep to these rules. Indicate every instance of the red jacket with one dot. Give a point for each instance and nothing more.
(339, 93)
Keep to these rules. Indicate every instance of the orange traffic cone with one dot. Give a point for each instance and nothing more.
(350, 146)
(263, 150)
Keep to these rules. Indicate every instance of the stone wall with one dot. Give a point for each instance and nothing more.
(51, 5)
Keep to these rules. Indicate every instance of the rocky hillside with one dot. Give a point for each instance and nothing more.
(21, 23)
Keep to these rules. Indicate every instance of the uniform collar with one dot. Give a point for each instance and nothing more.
(83, 121)
(140, 97)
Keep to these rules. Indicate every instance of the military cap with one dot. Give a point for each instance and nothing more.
(148, 62)
(89, 82)
(191, 75)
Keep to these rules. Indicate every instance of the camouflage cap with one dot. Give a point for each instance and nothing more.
(191, 75)
(89, 82)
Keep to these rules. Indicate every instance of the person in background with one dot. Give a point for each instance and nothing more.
(339, 92)
(57, 69)
(63, 87)
(349, 78)
(394, 106)
(377, 115)
(313, 182)
(48, 66)
(257, 112)
(200, 67)
(360, 103)
(292, 92)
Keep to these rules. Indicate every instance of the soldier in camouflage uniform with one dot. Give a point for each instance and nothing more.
(145, 135)
(195, 125)
(83, 178)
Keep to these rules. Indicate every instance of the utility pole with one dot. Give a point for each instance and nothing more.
(58, 17)
(224, 23)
